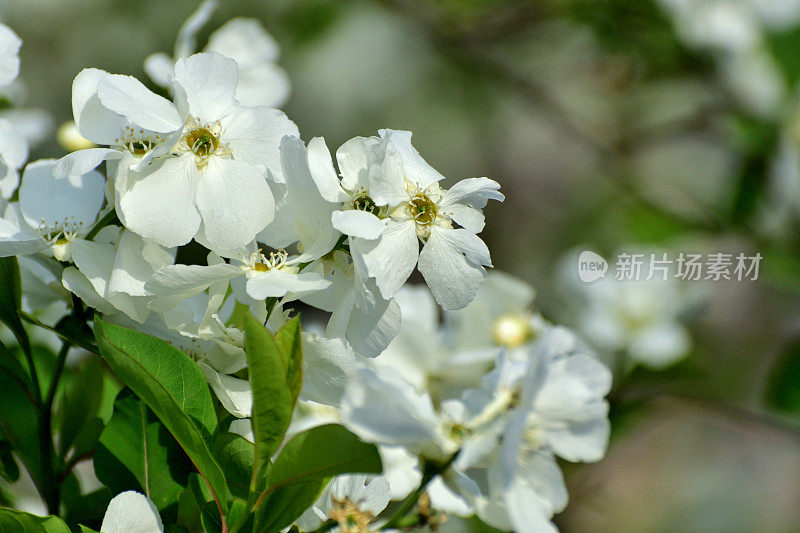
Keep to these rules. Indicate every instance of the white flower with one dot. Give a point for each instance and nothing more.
(52, 214)
(125, 119)
(218, 172)
(551, 404)
(501, 315)
(637, 319)
(261, 80)
(353, 501)
(452, 259)
(131, 512)
(9, 55)
(371, 182)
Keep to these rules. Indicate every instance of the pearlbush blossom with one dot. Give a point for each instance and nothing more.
(383, 396)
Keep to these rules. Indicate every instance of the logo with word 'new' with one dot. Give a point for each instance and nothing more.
(591, 267)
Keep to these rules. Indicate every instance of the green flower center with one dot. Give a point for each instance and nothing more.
(202, 142)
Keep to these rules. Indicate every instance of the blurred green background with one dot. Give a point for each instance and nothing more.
(661, 125)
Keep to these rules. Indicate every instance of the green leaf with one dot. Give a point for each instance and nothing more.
(236, 456)
(12, 521)
(783, 386)
(304, 466)
(85, 529)
(286, 505)
(18, 423)
(152, 367)
(10, 364)
(87, 509)
(322, 452)
(80, 403)
(290, 346)
(136, 452)
(11, 298)
(191, 502)
(173, 387)
(272, 397)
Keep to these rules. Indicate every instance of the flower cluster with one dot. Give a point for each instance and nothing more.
(473, 407)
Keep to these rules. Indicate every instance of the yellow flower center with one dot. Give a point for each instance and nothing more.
(512, 330)
(202, 142)
(350, 517)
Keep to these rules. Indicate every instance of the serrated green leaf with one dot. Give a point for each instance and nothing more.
(136, 452)
(272, 397)
(173, 387)
(12, 521)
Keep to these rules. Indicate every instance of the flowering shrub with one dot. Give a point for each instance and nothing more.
(201, 399)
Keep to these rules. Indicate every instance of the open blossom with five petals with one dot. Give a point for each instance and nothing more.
(452, 259)
(215, 180)
(51, 214)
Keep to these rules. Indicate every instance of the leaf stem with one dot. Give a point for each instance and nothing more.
(36, 322)
(431, 470)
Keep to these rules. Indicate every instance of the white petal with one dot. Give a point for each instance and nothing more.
(324, 175)
(245, 40)
(82, 161)
(254, 135)
(188, 280)
(9, 55)
(380, 406)
(185, 44)
(277, 283)
(75, 200)
(327, 367)
(353, 162)
(391, 259)
(266, 84)
(234, 394)
(660, 345)
(357, 223)
(310, 214)
(131, 266)
(159, 67)
(475, 192)
(372, 328)
(94, 121)
(415, 167)
(209, 80)
(234, 201)
(160, 205)
(79, 285)
(131, 512)
(387, 187)
(127, 96)
(454, 279)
